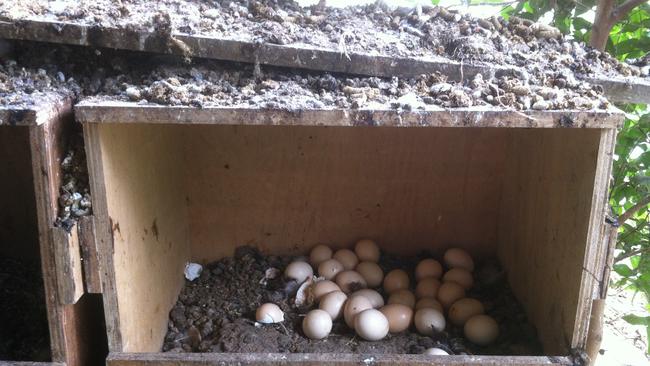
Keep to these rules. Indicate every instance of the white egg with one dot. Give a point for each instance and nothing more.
(322, 288)
(333, 303)
(371, 272)
(350, 281)
(436, 352)
(396, 279)
(367, 251)
(317, 324)
(371, 325)
(347, 258)
(449, 293)
(458, 258)
(461, 276)
(354, 306)
(428, 268)
(299, 271)
(428, 321)
(329, 268)
(404, 297)
(269, 313)
(319, 254)
(481, 330)
(375, 297)
(464, 309)
(427, 287)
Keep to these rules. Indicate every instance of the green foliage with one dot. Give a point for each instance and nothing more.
(628, 39)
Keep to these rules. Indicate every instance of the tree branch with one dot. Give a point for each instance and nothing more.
(624, 9)
(631, 254)
(632, 210)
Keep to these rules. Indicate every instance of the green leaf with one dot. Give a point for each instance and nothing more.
(637, 320)
(623, 270)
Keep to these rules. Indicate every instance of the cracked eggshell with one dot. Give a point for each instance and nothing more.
(449, 293)
(371, 272)
(399, 317)
(404, 297)
(317, 324)
(371, 325)
(458, 258)
(396, 279)
(333, 303)
(322, 288)
(367, 251)
(464, 309)
(347, 258)
(428, 321)
(461, 276)
(319, 254)
(481, 330)
(427, 287)
(350, 281)
(299, 271)
(354, 306)
(375, 297)
(428, 268)
(329, 268)
(269, 313)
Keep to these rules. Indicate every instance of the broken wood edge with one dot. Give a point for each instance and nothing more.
(125, 112)
(45, 109)
(205, 359)
(67, 259)
(628, 90)
(89, 255)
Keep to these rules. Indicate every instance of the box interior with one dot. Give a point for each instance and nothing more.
(18, 219)
(194, 193)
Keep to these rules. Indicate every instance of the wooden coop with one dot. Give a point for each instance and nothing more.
(177, 184)
(33, 141)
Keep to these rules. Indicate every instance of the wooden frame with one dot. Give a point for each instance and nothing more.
(534, 145)
(624, 90)
(48, 123)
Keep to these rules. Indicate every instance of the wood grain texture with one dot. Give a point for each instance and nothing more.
(98, 111)
(544, 229)
(315, 359)
(67, 257)
(90, 255)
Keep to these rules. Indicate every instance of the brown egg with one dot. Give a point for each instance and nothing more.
(428, 321)
(333, 303)
(299, 271)
(322, 288)
(458, 258)
(320, 253)
(329, 268)
(371, 325)
(396, 279)
(347, 258)
(428, 302)
(367, 251)
(464, 309)
(399, 317)
(449, 293)
(461, 276)
(404, 297)
(317, 324)
(371, 272)
(350, 281)
(375, 297)
(427, 287)
(481, 330)
(354, 306)
(428, 268)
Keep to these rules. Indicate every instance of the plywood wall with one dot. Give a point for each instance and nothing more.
(544, 219)
(285, 189)
(146, 204)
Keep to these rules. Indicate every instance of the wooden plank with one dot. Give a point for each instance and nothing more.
(544, 232)
(293, 55)
(44, 109)
(89, 254)
(315, 359)
(68, 265)
(124, 112)
(26, 363)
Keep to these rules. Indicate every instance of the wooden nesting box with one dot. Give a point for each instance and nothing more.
(32, 144)
(177, 184)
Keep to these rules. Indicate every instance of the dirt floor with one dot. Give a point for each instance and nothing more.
(216, 313)
(24, 334)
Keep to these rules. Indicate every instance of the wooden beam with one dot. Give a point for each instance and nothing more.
(67, 257)
(89, 254)
(624, 90)
(127, 112)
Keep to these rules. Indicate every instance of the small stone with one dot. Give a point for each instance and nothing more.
(133, 93)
